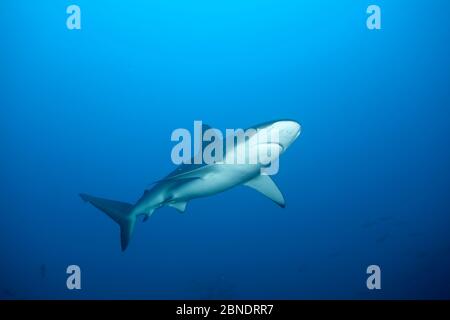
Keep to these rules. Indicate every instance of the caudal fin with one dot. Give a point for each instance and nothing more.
(120, 212)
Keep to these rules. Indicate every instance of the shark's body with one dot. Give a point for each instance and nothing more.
(190, 181)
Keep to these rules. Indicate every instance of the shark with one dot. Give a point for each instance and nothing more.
(191, 181)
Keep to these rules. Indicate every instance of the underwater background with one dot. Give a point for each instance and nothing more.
(92, 110)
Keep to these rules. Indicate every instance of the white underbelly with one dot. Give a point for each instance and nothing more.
(215, 181)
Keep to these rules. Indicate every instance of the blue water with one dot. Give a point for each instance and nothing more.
(92, 110)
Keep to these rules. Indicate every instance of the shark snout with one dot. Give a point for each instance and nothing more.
(293, 128)
(288, 131)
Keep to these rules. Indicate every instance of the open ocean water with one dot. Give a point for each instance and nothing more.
(92, 110)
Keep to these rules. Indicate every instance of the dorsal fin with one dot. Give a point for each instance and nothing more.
(205, 127)
(186, 168)
(204, 143)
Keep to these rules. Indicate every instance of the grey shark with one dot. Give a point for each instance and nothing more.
(191, 181)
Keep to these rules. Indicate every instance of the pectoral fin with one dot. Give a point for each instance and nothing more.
(180, 206)
(267, 187)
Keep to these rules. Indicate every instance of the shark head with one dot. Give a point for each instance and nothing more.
(287, 131)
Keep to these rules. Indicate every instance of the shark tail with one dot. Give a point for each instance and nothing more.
(120, 212)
